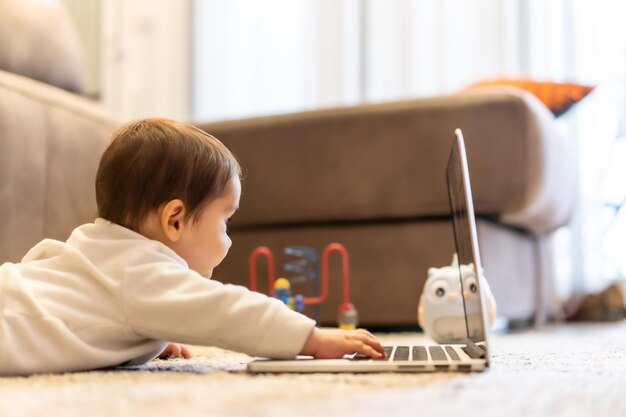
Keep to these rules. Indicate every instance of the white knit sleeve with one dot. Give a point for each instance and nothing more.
(164, 300)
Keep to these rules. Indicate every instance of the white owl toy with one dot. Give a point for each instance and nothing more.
(440, 311)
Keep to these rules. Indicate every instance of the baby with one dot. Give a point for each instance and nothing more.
(121, 288)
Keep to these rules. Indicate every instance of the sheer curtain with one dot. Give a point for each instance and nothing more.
(262, 57)
(254, 57)
(583, 41)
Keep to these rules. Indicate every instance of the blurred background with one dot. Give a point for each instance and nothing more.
(216, 59)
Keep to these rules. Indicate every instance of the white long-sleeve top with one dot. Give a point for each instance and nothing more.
(109, 296)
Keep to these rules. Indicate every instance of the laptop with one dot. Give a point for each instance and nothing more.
(470, 355)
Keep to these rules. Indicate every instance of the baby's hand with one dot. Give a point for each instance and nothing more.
(175, 350)
(334, 343)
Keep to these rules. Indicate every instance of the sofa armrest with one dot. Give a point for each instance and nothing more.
(551, 174)
(50, 146)
(387, 162)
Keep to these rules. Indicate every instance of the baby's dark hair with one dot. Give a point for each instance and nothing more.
(152, 161)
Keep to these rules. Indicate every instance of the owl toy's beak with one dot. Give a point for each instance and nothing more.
(452, 296)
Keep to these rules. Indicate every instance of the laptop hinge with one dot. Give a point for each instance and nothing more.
(474, 351)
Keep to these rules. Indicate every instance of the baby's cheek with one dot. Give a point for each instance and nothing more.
(224, 245)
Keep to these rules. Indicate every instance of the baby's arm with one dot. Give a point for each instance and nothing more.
(334, 343)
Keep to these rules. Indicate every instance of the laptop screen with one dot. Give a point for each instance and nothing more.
(465, 238)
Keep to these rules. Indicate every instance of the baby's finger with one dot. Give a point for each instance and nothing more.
(375, 344)
(185, 352)
(372, 353)
(365, 348)
(372, 341)
(175, 350)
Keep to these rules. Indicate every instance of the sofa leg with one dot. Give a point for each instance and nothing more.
(547, 307)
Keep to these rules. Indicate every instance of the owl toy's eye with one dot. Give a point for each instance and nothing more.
(439, 289)
(470, 285)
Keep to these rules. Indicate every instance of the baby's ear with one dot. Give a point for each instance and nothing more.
(172, 216)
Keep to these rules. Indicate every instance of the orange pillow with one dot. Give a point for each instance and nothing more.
(558, 97)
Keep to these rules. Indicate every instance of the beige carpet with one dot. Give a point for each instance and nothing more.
(574, 370)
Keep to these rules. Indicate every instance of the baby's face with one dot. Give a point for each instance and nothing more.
(205, 243)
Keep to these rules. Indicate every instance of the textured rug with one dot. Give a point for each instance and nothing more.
(569, 370)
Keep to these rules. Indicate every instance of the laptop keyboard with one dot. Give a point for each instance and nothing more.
(452, 353)
(417, 353)
(437, 353)
(401, 354)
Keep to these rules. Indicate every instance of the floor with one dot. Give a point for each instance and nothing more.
(565, 370)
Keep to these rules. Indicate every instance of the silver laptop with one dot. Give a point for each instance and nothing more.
(473, 353)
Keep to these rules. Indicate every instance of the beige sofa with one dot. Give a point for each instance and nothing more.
(370, 177)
